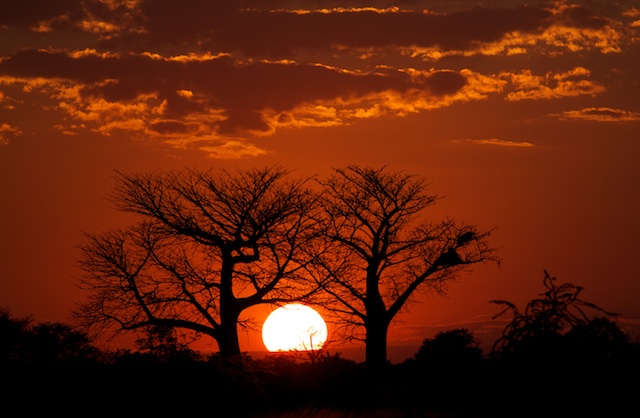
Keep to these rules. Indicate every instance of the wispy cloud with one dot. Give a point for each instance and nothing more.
(552, 85)
(599, 114)
(496, 141)
(7, 132)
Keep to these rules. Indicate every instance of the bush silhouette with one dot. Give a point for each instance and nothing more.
(539, 334)
(457, 347)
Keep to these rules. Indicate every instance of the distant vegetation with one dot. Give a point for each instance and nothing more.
(554, 359)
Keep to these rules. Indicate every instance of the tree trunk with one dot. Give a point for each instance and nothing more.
(376, 345)
(375, 324)
(228, 342)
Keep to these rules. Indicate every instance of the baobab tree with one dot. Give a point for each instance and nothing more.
(381, 251)
(209, 245)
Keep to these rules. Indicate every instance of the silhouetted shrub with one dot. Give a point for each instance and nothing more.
(537, 335)
(43, 345)
(13, 335)
(455, 348)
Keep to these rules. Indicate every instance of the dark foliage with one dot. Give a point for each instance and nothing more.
(43, 345)
(540, 330)
(586, 367)
(565, 348)
(456, 347)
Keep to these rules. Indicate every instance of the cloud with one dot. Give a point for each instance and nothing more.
(263, 29)
(197, 72)
(8, 132)
(34, 13)
(5, 101)
(266, 32)
(232, 150)
(195, 98)
(599, 114)
(528, 86)
(220, 95)
(495, 141)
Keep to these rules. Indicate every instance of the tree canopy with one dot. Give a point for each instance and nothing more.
(382, 250)
(208, 246)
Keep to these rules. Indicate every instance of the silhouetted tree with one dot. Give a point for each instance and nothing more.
(456, 348)
(209, 246)
(445, 369)
(381, 250)
(599, 340)
(13, 337)
(539, 332)
(58, 344)
(44, 344)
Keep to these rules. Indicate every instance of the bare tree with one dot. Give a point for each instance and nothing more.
(209, 246)
(381, 251)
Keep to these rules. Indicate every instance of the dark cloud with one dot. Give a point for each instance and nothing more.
(32, 12)
(445, 82)
(600, 114)
(250, 65)
(239, 91)
(268, 33)
(40, 63)
(271, 29)
(242, 119)
(168, 127)
(581, 17)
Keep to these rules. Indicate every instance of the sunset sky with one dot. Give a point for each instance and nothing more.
(523, 115)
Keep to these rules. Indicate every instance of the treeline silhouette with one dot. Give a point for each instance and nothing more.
(553, 359)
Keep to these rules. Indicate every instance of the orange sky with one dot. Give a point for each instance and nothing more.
(525, 118)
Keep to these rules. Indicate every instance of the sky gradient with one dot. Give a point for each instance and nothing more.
(523, 116)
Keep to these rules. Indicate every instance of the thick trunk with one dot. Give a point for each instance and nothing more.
(375, 324)
(376, 345)
(228, 342)
(227, 333)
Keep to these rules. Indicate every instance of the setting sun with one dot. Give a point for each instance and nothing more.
(294, 327)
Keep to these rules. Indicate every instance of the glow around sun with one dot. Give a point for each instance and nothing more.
(294, 327)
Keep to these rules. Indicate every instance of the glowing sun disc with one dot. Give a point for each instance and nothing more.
(294, 327)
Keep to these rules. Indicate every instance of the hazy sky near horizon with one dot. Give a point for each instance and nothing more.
(523, 115)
